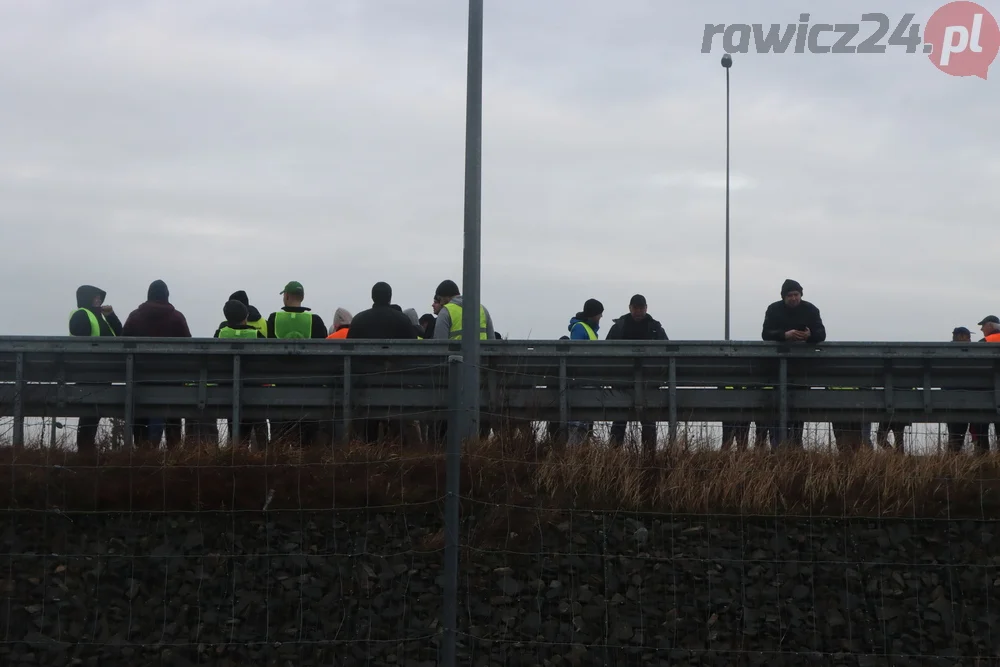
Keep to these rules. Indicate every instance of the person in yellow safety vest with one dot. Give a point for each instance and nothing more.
(94, 319)
(293, 320)
(236, 324)
(584, 326)
(449, 322)
(254, 318)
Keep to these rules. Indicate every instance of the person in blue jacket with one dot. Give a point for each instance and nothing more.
(585, 324)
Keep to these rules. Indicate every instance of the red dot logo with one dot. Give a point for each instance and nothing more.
(963, 38)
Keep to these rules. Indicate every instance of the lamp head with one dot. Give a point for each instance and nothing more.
(727, 61)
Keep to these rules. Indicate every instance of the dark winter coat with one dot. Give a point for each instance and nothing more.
(381, 323)
(626, 328)
(156, 319)
(779, 318)
(79, 323)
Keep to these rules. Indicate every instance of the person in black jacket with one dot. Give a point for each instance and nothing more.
(636, 325)
(791, 320)
(91, 318)
(382, 321)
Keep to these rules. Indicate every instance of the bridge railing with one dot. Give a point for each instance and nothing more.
(523, 380)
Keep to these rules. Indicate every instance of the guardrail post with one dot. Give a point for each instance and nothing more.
(672, 397)
(639, 394)
(996, 392)
(129, 401)
(451, 517)
(782, 401)
(887, 379)
(346, 408)
(563, 397)
(235, 432)
(19, 401)
(928, 405)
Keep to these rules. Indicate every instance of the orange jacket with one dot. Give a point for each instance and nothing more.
(339, 333)
(993, 338)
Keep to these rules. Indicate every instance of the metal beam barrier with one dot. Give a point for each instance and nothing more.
(679, 381)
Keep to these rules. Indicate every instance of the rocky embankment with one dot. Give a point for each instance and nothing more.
(314, 588)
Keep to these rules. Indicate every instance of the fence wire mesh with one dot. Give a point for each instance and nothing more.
(573, 550)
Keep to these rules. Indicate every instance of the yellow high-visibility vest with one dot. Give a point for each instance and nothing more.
(293, 325)
(95, 324)
(229, 332)
(590, 331)
(456, 321)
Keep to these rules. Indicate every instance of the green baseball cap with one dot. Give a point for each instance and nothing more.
(293, 287)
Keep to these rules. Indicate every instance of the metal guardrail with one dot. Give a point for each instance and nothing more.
(662, 381)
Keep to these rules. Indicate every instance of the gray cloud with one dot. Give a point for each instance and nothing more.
(226, 145)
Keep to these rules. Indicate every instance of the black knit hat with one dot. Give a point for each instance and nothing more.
(592, 307)
(790, 286)
(447, 288)
(234, 311)
(158, 291)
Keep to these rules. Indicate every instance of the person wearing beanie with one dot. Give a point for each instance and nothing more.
(254, 318)
(382, 321)
(448, 306)
(156, 318)
(341, 324)
(294, 320)
(236, 325)
(585, 324)
(793, 319)
(636, 324)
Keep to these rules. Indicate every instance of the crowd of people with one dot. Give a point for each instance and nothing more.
(790, 319)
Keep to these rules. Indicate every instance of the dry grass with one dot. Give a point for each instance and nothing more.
(509, 475)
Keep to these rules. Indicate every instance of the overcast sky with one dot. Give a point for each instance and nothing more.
(223, 145)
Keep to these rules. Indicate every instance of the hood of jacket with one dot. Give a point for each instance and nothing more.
(252, 313)
(580, 318)
(412, 314)
(85, 295)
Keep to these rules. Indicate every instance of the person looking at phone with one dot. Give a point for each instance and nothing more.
(792, 319)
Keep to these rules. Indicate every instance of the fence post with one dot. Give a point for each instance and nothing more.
(451, 518)
(235, 433)
(128, 435)
(19, 401)
(783, 402)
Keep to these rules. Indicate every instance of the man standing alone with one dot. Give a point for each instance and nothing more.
(792, 320)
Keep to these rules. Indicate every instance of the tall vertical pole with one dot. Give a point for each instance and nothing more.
(727, 62)
(473, 238)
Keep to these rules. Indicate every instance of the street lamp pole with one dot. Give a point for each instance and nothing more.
(472, 255)
(727, 62)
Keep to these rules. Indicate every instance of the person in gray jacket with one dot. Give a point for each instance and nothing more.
(448, 296)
